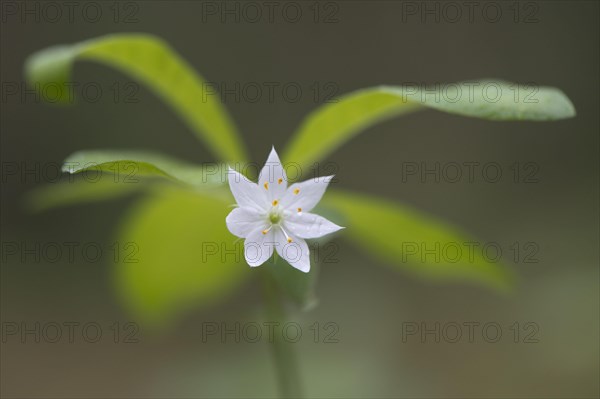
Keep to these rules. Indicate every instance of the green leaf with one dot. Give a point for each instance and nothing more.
(151, 61)
(407, 239)
(107, 174)
(130, 165)
(185, 255)
(330, 126)
(76, 192)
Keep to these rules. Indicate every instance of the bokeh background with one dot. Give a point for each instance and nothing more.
(552, 43)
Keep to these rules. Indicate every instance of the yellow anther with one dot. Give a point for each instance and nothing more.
(275, 202)
(280, 181)
(299, 210)
(296, 191)
(266, 185)
(265, 231)
(289, 240)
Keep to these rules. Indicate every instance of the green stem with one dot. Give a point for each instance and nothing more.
(288, 373)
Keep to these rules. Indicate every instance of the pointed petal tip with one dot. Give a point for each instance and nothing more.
(302, 268)
(256, 262)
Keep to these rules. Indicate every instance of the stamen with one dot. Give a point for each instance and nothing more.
(280, 181)
(296, 191)
(289, 239)
(266, 185)
(299, 210)
(267, 230)
(275, 202)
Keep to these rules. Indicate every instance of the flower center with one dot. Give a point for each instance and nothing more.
(274, 217)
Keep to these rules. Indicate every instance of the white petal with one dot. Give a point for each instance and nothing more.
(258, 247)
(309, 225)
(296, 253)
(305, 195)
(272, 178)
(241, 221)
(246, 193)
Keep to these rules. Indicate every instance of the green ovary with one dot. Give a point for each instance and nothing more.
(274, 218)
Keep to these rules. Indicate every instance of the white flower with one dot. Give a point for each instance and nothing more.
(270, 215)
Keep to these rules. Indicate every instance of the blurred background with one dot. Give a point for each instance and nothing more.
(334, 47)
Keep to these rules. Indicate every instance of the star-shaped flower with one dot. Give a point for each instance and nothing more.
(272, 216)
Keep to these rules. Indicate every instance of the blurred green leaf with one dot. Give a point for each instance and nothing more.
(406, 238)
(77, 192)
(133, 164)
(330, 126)
(151, 61)
(185, 255)
(109, 174)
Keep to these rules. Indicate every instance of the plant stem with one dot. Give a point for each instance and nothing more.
(288, 375)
